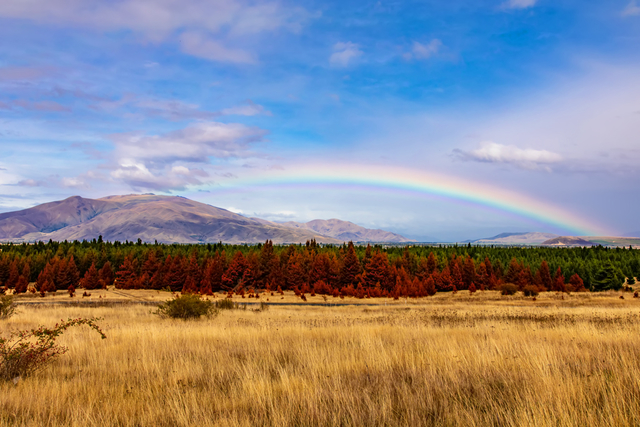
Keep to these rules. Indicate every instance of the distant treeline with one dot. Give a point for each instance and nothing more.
(311, 268)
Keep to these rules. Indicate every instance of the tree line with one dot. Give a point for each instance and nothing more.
(347, 270)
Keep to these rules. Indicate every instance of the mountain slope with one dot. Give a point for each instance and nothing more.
(346, 231)
(148, 217)
(567, 241)
(533, 238)
(50, 217)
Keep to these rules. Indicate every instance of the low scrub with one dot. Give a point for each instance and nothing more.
(23, 353)
(228, 304)
(187, 306)
(530, 291)
(7, 306)
(508, 289)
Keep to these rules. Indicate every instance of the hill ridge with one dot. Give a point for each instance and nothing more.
(150, 217)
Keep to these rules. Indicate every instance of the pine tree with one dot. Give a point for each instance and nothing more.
(190, 286)
(377, 270)
(235, 272)
(469, 272)
(430, 286)
(127, 276)
(296, 275)
(319, 271)
(456, 275)
(46, 275)
(513, 273)
(576, 284)
(432, 263)
(544, 276)
(152, 268)
(14, 274)
(91, 279)
(21, 285)
(194, 270)
(350, 266)
(444, 283)
(106, 275)
(558, 282)
(174, 273)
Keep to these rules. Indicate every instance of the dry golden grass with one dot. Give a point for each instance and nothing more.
(452, 360)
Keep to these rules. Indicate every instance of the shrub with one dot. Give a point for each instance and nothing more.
(186, 306)
(508, 289)
(530, 291)
(26, 352)
(228, 304)
(7, 306)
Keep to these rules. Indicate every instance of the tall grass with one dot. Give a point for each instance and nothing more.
(442, 365)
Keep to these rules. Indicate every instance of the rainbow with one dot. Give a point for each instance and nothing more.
(413, 182)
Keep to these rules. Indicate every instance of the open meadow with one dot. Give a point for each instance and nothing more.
(447, 360)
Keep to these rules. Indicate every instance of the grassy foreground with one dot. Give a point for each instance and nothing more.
(445, 361)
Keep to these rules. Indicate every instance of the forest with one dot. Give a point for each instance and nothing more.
(337, 270)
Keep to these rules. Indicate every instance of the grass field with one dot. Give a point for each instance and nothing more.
(450, 360)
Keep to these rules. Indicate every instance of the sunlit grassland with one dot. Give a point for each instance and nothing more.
(449, 360)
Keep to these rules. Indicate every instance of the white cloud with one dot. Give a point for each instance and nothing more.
(235, 210)
(344, 54)
(76, 182)
(200, 45)
(138, 176)
(248, 109)
(173, 109)
(29, 183)
(519, 4)
(48, 106)
(632, 9)
(163, 162)
(195, 143)
(161, 20)
(426, 51)
(528, 158)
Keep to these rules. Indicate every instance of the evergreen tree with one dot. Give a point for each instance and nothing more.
(544, 276)
(91, 279)
(106, 275)
(608, 277)
(127, 276)
(350, 266)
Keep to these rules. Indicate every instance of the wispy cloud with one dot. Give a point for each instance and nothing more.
(527, 158)
(23, 73)
(49, 106)
(632, 9)
(206, 24)
(344, 53)
(424, 51)
(519, 4)
(205, 47)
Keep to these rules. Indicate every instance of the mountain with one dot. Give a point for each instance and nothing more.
(346, 231)
(531, 238)
(632, 234)
(167, 219)
(568, 241)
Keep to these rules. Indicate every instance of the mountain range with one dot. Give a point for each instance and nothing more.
(532, 238)
(168, 219)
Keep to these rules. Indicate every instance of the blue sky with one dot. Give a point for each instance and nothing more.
(182, 97)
